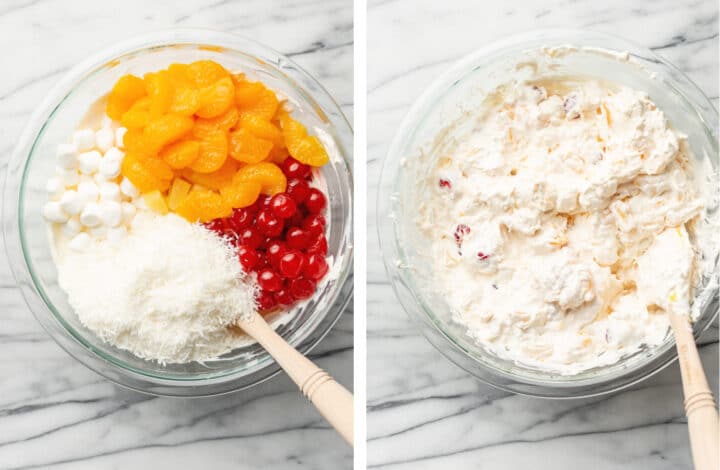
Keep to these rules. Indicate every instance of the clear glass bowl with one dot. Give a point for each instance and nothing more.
(457, 90)
(33, 162)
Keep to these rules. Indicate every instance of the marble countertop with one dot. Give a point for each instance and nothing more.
(54, 413)
(426, 413)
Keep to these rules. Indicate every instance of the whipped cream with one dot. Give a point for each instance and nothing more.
(562, 224)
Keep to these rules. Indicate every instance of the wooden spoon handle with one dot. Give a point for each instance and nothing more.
(333, 401)
(700, 406)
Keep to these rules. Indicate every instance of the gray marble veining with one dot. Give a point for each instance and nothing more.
(54, 413)
(425, 413)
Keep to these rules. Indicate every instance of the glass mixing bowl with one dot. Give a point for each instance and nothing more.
(460, 89)
(26, 233)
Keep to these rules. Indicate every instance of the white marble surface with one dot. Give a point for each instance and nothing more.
(54, 413)
(425, 413)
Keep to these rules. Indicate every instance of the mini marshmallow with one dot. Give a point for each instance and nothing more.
(116, 234)
(111, 213)
(104, 139)
(71, 202)
(106, 122)
(84, 140)
(109, 166)
(128, 212)
(128, 189)
(90, 215)
(71, 228)
(119, 136)
(109, 191)
(80, 242)
(114, 153)
(54, 188)
(88, 191)
(54, 213)
(89, 161)
(67, 156)
(99, 232)
(68, 177)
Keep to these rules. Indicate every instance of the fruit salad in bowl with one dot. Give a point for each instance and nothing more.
(185, 186)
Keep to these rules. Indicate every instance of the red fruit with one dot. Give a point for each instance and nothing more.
(482, 256)
(315, 267)
(241, 218)
(275, 250)
(250, 237)
(269, 280)
(319, 246)
(302, 288)
(460, 232)
(265, 301)
(298, 238)
(298, 189)
(262, 262)
(283, 206)
(263, 202)
(248, 257)
(269, 224)
(315, 201)
(217, 225)
(296, 220)
(294, 169)
(315, 224)
(292, 263)
(284, 297)
(445, 183)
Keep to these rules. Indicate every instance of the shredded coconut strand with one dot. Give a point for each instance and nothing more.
(167, 292)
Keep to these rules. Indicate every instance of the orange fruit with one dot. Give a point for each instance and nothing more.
(216, 98)
(265, 106)
(138, 115)
(126, 91)
(146, 178)
(216, 179)
(245, 147)
(166, 130)
(181, 154)
(241, 195)
(203, 205)
(203, 73)
(213, 153)
(270, 177)
(206, 127)
(309, 151)
(262, 128)
(160, 90)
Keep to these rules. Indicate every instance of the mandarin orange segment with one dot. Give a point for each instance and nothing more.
(215, 180)
(203, 205)
(126, 91)
(166, 130)
(266, 105)
(205, 127)
(178, 74)
(262, 128)
(270, 177)
(186, 101)
(240, 195)
(134, 168)
(247, 93)
(138, 115)
(310, 152)
(245, 147)
(216, 98)
(181, 154)
(213, 153)
(134, 142)
(160, 90)
(278, 155)
(203, 73)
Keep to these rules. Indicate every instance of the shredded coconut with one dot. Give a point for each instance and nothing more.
(167, 292)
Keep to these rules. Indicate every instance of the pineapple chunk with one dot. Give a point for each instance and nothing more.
(156, 202)
(178, 191)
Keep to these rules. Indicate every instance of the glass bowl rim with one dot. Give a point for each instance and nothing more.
(204, 384)
(432, 328)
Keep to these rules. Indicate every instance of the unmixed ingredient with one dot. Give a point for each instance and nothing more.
(560, 220)
(167, 292)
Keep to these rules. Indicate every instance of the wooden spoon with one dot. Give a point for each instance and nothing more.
(332, 400)
(699, 403)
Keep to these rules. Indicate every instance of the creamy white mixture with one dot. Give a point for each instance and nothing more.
(559, 227)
